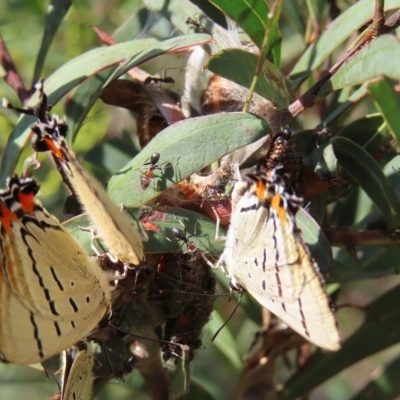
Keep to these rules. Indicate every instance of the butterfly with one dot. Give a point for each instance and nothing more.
(266, 255)
(77, 381)
(51, 294)
(112, 226)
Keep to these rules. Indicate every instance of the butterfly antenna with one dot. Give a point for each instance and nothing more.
(103, 341)
(51, 373)
(129, 302)
(229, 318)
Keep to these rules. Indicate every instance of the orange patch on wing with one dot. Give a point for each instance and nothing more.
(27, 203)
(260, 189)
(7, 217)
(53, 148)
(276, 203)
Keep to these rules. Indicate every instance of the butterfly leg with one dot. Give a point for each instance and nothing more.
(93, 237)
(218, 223)
(112, 273)
(209, 263)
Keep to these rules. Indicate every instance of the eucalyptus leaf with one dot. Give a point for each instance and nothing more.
(179, 146)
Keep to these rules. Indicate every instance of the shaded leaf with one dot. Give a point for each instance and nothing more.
(370, 133)
(88, 92)
(366, 172)
(387, 100)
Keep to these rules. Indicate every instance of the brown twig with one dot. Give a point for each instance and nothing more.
(346, 238)
(12, 76)
(377, 28)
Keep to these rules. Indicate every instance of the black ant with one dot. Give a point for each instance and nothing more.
(145, 178)
(196, 26)
(180, 235)
(191, 247)
(154, 79)
(166, 79)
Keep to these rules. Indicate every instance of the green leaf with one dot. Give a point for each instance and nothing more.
(89, 91)
(225, 341)
(316, 240)
(78, 70)
(380, 330)
(112, 154)
(82, 102)
(251, 17)
(369, 132)
(178, 11)
(296, 13)
(387, 100)
(56, 11)
(366, 172)
(385, 386)
(201, 227)
(185, 147)
(352, 100)
(180, 377)
(239, 66)
(59, 83)
(374, 262)
(175, 44)
(338, 32)
(378, 58)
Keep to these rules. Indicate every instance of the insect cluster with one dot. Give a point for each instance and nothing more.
(128, 282)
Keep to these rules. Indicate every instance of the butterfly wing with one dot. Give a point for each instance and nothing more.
(113, 226)
(51, 294)
(266, 255)
(77, 375)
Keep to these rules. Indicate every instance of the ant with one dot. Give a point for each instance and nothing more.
(154, 79)
(166, 79)
(180, 235)
(191, 247)
(145, 178)
(196, 26)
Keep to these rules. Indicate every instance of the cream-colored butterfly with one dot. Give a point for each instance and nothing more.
(112, 226)
(51, 294)
(266, 255)
(77, 380)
